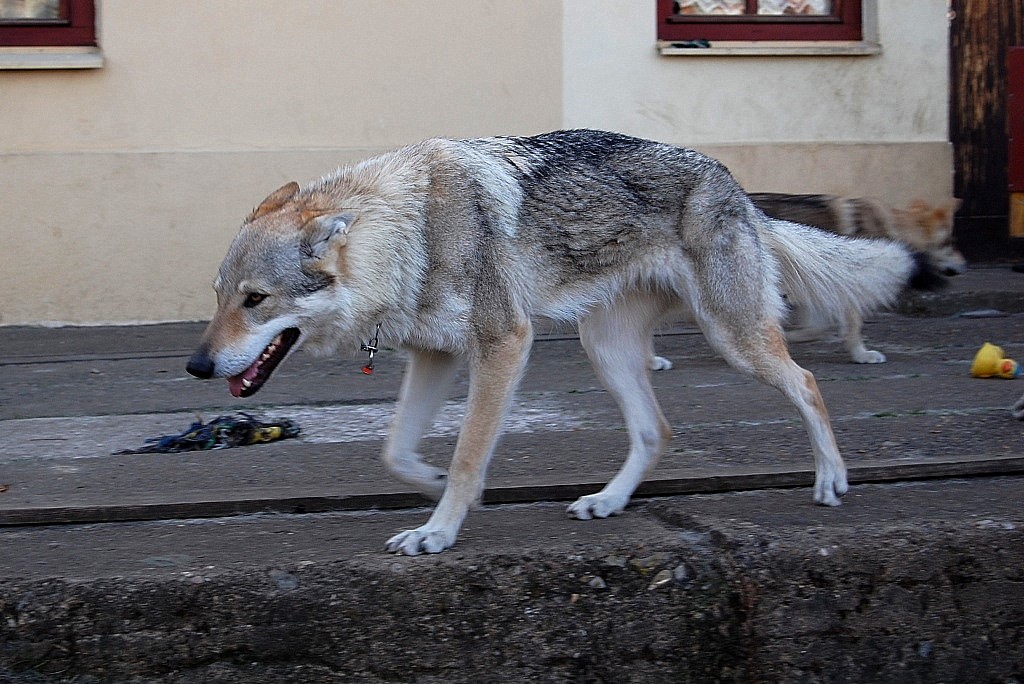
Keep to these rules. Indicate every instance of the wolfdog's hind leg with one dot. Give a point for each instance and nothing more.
(428, 378)
(761, 351)
(617, 340)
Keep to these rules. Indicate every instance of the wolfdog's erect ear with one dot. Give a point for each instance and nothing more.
(275, 200)
(325, 231)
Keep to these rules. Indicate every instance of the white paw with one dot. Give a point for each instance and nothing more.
(410, 469)
(829, 486)
(598, 505)
(658, 363)
(868, 356)
(420, 540)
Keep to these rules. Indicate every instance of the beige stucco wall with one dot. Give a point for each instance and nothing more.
(122, 186)
(867, 125)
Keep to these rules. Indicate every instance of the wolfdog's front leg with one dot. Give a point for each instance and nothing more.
(494, 374)
(427, 381)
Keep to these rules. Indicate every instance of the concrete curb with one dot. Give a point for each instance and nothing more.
(729, 587)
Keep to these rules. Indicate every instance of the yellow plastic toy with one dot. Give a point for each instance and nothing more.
(989, 363)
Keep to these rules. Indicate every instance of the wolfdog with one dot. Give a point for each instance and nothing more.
(455, 247)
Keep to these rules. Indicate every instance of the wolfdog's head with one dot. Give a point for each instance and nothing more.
(280, 285)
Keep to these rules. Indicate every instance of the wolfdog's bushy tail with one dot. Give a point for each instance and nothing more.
(830, 275)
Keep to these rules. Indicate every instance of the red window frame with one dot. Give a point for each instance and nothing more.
(844, 24)
(76, 27)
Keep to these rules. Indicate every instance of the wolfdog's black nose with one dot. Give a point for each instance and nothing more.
(200, 365)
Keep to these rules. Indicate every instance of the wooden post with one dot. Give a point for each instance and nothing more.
(1015, 137)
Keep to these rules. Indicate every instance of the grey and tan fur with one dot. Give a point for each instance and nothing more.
(822, 297)
(456, 246)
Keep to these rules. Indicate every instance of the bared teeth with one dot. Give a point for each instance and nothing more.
(271, 349)
(251, 379)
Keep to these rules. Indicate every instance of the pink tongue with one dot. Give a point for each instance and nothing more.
(235, 385)
(235, 381)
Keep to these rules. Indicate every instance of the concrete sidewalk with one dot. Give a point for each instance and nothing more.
(264, 564)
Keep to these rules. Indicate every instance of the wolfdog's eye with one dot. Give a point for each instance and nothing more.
(253, 299)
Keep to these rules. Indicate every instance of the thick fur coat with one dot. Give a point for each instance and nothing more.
(455, 247)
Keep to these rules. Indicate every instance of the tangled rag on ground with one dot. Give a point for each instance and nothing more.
(223, 432)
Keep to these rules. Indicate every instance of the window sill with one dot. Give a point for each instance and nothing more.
(767, 48)
(51, 58)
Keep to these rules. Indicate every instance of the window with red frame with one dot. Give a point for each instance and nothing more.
(47, 23)
(745, 20)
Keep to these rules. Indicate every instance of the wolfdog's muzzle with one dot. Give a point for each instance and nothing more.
(249, 381)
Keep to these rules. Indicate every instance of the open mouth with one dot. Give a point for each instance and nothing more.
(248, 382)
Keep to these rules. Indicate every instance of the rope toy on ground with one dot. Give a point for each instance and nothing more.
(223, 432)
